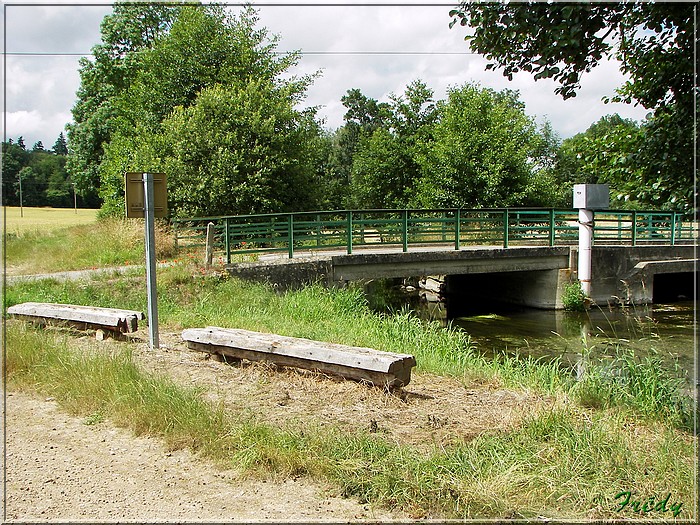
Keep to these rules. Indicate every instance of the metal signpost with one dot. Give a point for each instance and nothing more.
(146, 196)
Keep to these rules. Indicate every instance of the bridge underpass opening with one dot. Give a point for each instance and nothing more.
(482, 293)
(674, 287)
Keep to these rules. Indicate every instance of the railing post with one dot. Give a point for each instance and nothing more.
(405, 230)
(176, 230)
(458, 229)
(619, 227)
(634, 228)
(505, 228)
(209, 247)
(318, 230)
(227, 242)
(290, 235)
(349, 232)
(673, 228)
(551, 227)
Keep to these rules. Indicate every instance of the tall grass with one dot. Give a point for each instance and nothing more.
(342, 316)
(563, 463)
(646, 385)
(108, 242)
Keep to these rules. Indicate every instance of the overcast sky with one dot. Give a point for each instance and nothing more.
(378, 49)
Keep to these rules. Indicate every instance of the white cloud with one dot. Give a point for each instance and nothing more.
(43, 88)
(33, 126)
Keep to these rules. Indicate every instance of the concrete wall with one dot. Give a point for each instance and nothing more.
(285, 274)
(535, 289)
(529, 276)
(625, 274)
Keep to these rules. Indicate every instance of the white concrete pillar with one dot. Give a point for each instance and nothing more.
(585, 244)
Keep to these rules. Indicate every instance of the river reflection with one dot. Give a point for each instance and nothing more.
(668, 330)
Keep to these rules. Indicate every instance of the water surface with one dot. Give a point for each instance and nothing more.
(666, 330)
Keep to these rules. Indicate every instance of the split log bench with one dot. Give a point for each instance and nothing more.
(362, 364)
(110, 320)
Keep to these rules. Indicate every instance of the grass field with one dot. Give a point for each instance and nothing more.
(44, 219)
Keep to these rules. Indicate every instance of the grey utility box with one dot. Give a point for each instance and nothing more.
(591, 196)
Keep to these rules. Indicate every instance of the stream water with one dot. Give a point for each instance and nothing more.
(666, 330)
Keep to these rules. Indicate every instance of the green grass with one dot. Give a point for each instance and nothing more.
(332, 315)
(562, 463)
(611, 432)
(643, 386)
(646, 385)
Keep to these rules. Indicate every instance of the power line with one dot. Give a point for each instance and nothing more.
(303, 53)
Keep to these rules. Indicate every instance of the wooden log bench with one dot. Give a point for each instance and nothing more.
(103, 320)
(361, 364)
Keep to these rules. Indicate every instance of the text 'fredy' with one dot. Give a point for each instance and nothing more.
(647, 505)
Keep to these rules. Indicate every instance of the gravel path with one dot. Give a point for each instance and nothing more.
(59, 468)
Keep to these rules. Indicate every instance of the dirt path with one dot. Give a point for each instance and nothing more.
(61, 469)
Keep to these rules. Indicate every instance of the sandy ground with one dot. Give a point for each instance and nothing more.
(60, 468)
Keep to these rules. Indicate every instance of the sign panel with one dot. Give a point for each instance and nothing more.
(135, 198)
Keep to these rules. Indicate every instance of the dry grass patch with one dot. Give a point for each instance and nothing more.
(432, 411)
(44, 220)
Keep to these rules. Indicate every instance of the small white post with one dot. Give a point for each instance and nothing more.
(209, 251)
(21, 209)
(585, 245)
(588, 197)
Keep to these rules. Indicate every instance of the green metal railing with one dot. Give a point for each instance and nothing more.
(352, 229)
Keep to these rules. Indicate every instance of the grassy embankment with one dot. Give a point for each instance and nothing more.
(49, 240)
(602, 437)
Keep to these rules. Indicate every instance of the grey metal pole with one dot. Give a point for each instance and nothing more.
(21, 209)
(149, 215)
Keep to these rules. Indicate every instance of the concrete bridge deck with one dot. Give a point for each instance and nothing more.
(527, 275)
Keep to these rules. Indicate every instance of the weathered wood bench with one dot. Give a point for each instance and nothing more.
(362, 364)
(111, 320)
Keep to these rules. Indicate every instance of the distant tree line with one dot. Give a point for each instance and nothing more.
(40, 172)
(203, 95)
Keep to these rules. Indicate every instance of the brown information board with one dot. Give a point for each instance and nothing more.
(135, 195)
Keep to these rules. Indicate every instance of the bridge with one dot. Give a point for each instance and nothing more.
(525, 256)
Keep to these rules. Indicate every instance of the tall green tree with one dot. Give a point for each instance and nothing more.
(484, 152)
(60, 147)
(43, 174)
(129, 29)
(209, 105)
(654, 42)
(14, 158)
(385, 171)
(601, 155)
(223, 157)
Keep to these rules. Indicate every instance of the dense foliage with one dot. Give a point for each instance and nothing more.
(39, 172)
(654, 42)
(203, 98)
(203, 95)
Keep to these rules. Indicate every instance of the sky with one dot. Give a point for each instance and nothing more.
(378, 49)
